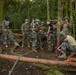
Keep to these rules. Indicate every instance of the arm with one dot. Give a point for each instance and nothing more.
(48, 29)
(22, 28)
(58, 49)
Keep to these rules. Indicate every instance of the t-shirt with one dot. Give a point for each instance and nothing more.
(51, 28)
(71, 40)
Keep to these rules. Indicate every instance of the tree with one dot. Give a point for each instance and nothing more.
(59, 20)
(48, 11)
(3, 8)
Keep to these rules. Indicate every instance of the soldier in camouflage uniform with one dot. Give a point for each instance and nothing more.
(41, 34)
(26, 33)
(66, 26)
(8, 34)
(34, 29)
(50, 36)
(68, 45)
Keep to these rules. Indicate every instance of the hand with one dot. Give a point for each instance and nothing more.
(58, 49)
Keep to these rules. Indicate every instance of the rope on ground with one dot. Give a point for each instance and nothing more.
(10, 72)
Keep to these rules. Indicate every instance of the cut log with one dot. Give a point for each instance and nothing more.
(44, 61)
(71, 59)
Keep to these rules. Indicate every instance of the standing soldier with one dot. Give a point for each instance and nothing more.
(8, 35)
(66, 26)
(54, 34)
(33, 28)
(41, 34)
(50, 36)
(25, 32)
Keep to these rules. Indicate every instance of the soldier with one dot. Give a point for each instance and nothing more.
(66, 26)
(54, 34)
(50, 36)
(68, 45)
(34, 29)
(25, 32)
(8, 34)
(41, 34)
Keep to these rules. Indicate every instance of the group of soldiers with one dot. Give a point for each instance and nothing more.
(34, 33)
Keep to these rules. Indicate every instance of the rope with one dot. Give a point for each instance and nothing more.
(10, 72)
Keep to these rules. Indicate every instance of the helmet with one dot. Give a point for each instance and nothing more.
(26, 20)
(37, 20)
(42, 22)
(62, 33)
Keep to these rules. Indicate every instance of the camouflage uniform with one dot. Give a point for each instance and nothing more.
(50, 42)
(8, 34)
(33, 27)
(68, 45)
(41, 35)
(26, 34)
(50, 36)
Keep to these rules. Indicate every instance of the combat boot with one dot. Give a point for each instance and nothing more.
(63, 56)
(6, 46)
(16, 44)
(34, 49)
(41, 48)
(22, 46)
(28, 46)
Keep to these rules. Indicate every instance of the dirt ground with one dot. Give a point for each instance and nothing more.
(20, 69)
(23, 68)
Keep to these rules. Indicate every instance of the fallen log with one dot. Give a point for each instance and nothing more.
(71, 59)
(44, 61)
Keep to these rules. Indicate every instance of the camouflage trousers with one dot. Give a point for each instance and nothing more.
(40, 38)
(26, 38)
(34, 39)
(8, 36)
(50, 42)
(67, 48)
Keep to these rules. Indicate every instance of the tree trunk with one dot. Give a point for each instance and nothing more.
(29, 12)
(48, 10)
(71, 17)
(66, 8)
(59, 19)
(1, 10)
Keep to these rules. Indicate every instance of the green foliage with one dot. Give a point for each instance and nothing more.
(19, 10)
